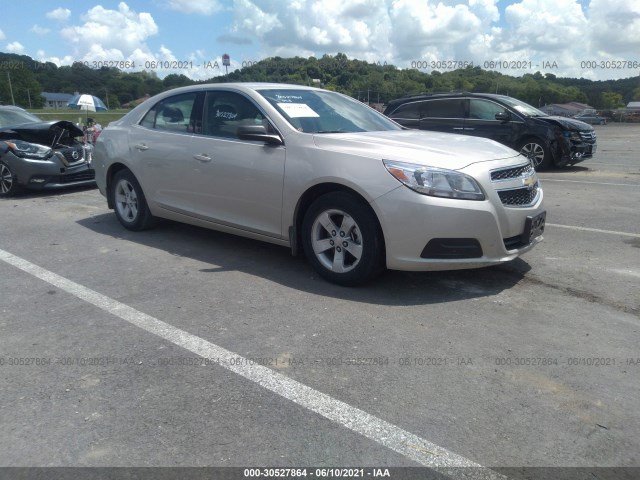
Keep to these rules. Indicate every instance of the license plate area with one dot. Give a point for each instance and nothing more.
(533, 227)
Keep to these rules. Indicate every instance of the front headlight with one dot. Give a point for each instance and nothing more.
(436, 182)
(29, 150)
(572, 135)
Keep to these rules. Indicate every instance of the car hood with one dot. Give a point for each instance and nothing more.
(567, 123)
(44, 133)
(434, 149)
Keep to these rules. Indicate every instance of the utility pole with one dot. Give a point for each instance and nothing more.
(11, 89)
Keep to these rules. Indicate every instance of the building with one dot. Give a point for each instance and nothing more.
(633, 107)
(566, 109)
(56, 101)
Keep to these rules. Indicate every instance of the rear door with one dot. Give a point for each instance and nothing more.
(160, 149)
(443, 115)
(409, 114)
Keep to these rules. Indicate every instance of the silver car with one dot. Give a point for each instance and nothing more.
(319, 172)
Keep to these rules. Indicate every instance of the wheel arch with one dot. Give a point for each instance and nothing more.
(307, 199)
(550, 143)
(111, 172)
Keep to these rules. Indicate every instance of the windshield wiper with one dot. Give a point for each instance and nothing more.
(331, 131)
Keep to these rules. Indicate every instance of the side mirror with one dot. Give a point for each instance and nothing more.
(503, 116)
(259, 133)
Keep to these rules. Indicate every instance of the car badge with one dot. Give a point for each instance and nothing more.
(529, 181)
(75, 155)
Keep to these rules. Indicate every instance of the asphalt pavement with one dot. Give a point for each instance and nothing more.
(183, 347)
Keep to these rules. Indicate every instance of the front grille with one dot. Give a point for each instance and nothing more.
(509, 173)
(589, 137)
(519, 197)
(67, 153)
(77, 177)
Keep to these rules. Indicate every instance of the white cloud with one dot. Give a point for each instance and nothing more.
(204, 7)
(110, 36)
(15, 47)
(59, 14)
(615, 26)
(2, 36)
(302, 27)
(40, 30)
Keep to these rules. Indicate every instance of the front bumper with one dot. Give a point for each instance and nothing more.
(472, 234)
(52, 173)
(576, 148)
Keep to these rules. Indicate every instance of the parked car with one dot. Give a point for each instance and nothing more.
(322, 173)
(40, 155)
(591, 118)
(546, 140)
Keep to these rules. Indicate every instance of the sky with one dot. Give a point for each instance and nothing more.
(594, 39)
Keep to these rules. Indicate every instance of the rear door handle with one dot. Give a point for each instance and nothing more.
(142, 147)
(204, 158)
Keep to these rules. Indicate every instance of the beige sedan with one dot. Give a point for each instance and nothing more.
(322, 173)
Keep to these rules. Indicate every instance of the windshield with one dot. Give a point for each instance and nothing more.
(317, 111)
(523, 108)
(16, 117)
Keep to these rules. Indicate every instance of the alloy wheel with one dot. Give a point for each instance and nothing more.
(336, 241)
(126, 200)
(533, 151)
(6, 179)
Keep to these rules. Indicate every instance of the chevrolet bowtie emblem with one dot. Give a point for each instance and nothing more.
(529, 181)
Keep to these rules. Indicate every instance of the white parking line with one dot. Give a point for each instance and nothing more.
(374, 428)
(595, 230)
(594, 183)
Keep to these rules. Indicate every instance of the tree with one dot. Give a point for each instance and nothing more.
(612, 100)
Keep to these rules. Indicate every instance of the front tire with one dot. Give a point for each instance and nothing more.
(130, 204)
(537, 152)
(8, 182)
(342, 239)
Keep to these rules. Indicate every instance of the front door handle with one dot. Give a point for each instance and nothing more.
(142, 147)
(204, 158)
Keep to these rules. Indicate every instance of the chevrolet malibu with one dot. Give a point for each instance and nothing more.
(320, 173)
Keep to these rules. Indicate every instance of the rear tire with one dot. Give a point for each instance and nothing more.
(342, 239)
(537, 152)
(130, 204)
(8, 182)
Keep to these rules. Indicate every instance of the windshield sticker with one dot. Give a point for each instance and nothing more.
(288, 98)
(297, 110)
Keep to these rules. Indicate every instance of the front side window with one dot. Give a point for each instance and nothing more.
(224, 112)
(172, 114)
(319, 111)
(484, 109)
(446, 108)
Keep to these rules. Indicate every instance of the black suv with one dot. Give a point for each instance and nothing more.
(546, 140)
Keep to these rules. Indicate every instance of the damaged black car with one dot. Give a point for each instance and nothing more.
(548, 141)
(37, 155)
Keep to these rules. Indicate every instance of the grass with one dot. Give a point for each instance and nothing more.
(79, 116)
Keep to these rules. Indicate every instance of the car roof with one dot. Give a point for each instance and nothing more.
(435, 95)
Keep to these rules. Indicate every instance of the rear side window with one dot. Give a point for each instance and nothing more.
(409, 111)
(172, 114)
(446, 108)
